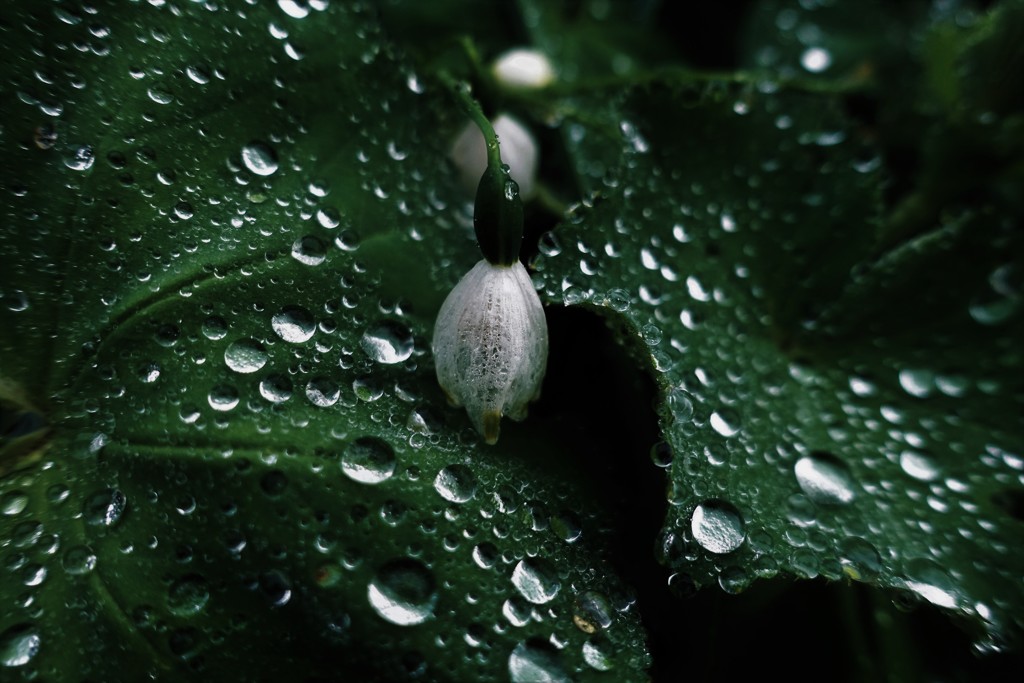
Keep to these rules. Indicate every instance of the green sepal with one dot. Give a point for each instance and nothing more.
(498, 216)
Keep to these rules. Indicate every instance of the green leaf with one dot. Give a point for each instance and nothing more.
(229, 231)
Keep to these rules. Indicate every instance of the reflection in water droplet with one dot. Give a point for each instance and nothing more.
(387, 342)
(80, 158)
(245, 356)
(718, 526)
(536, 580)
(13, 503)
(215, 327)
(591, 612)
(322, 392)
(223, 397)
(403, 592)
(931, 582)
(919, 466)
(259, 158)
(309, 250)
(79, 560)
(276, 388)
(104, 508)
(188, 595)
(825, 479)
(456, 483)
(368, 460)
(294, 324)
(726, 422)
(18, 645)
(534, 661)
(597, 653)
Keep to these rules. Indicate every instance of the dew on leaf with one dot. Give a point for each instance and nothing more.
(387, 342)
(188, 596)
(245, 356)
(214, 327)
(309, 250)
(79, 560)
(13, 503)
(404, 592)
(223, 397)
(294, 324)
(322, 392)
(597, 653)
(726, 422)
(825, 479)
(718, 526)
(19, 645)
(536, 660)
(456, 483)
(276, 388)
(919, 465)
(104, 508)
(368, 460)
(536, 580)
(260, 158)
(591, 612)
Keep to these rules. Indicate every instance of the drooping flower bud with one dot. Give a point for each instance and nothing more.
(491, 345)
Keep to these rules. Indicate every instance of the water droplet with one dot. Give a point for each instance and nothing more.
(297, 9)
(223, 397)
(294, 324)
(815, 59)
(13, 503)
(536, 580)
(260, 158)
(215, 327)
(919, 466)
(19, 645)
(188, 595)
(403, 592)
(322, 392)
(726, 422)
(309, 250)
(534, 661)
(931, 582)
(456, 483)
(825, 479)
(368, 460)
(80, 158)
(104, 508)
(917, 382)
(718, 526)
(597, 653)
(591, 612)
(387, 342)
(245, 356)
(276, 388)
(79, 560)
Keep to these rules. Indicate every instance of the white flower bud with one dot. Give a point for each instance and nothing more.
(491, 345)
(518, 150)
(524, 68)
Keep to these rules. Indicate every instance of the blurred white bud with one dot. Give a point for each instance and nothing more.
(491, 345)
(518, 150)
(524, 68)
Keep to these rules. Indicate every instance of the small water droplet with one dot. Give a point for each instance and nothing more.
(322, 392)
(215, 327)
(718, 526)
(597, 653)
(223, 397)
(276, 388)
(403, 592)
(13, 503)
(816, 59)
(591, 612)
(188, 595)
(260, 158)
(245, 356)
(919, 466)
(726, 422)
(387, 342)
(80, 158)
(536, 580)
(368, 460)
(456, 483)
(294, 324)
(825, 479)
(79, 560)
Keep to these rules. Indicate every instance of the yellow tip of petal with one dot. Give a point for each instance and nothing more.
(492, 425)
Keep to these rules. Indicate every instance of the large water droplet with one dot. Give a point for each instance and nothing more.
(260, 158)
(322, 392)
(294, 324)
(403, 592)
(13, 503)
(104, 508)
(536, 580)
(591, 612)
(276, 388)
(368, 460)
(718, 526)
(18, 645)
(456, 483)
(931, 582)
(309, 250)
(597, 653)
(188, 595)
(726, 422)
(245, 356)
(387, 342)
(825, 479)
(535, 661)
(919, 466)
(79, 560)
